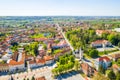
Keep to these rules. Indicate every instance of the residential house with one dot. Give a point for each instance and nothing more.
(48, 59)
(101, 43)
(105, 62)
(117, 29)
(4, 67)
(40, 62)
(29, 57)
(116, 68)
(61, 44)
(13, 65)
(32, 64)
(40, 78)
(65, 51)
(40, 39)
(115, 56)
(100, 32)
(59, 36)
(87, 69)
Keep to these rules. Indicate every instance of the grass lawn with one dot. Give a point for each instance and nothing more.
(40, 35)
(57, 51)
(86, 56)
(107, 52)
(116, 62)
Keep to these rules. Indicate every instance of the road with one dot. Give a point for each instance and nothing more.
(116, 47)
(59, 28)
(71, 76)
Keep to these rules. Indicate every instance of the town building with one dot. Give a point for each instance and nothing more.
(116, 68)
(40, 62)
(78, 53)
(40, 78)
(101, 43)
(48, 59)
(115, 56)
(117, 29)
(13, 65)
(87, 69)
(4, 67)
(100, 32)
(105, 62)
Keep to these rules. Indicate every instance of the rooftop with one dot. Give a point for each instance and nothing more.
(47, 58)
(104, 58)
(13, 62)
(100, 41)
(40, 78)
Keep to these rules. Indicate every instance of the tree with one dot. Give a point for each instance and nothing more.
(72, 58)
(77, 65)
(111, 75)
(93, 53)
(119, 44)
(99, 76)
(104, 35)
(55, 71)
(101, 69)
(113, 39)
(45, 47)
(33, 78)
(118, 76)
(64, 64)
(105, 52)
(62, 60)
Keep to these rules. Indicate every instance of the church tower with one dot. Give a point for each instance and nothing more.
(80, 54)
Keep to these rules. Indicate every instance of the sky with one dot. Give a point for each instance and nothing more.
(59, 7)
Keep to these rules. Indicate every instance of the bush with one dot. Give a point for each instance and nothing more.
(93, 53)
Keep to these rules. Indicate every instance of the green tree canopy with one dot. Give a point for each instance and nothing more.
(111, 75)
(93, 53)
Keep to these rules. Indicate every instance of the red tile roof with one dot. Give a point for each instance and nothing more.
(40, 61)
(102, 31)
(40, 78)
(13, 62)
(115, 66)
(28, 56)
(32, 62)
(104, 58)
(85, 66)
(47, 58)
(40, 39)
(62, 43)
(116, 55)
(100, 41)
(4, 64)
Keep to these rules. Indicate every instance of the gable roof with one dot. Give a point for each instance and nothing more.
(115, 55)
(102, 31)
(40, 61)
(41, 78)
(100, 42)
(47, 58)
(13, 62)
(105, 58)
